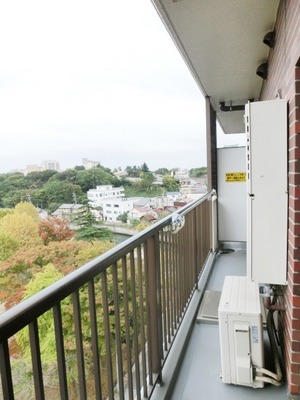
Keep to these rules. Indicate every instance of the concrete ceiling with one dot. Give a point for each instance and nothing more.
(222, 44)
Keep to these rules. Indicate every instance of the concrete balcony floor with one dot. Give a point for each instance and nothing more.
(199, 376)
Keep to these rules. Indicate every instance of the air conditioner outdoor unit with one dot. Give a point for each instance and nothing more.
(241, 332)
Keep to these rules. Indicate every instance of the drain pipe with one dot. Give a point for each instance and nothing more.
(274, 378)
(231, 107)
(273, 307)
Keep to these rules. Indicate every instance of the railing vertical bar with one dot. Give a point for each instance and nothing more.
(194, 248)
(186, 272)
(79, 345)
(202, 235)
(36, 360)
(155, 303)
(180, 267)
(60, 352)
(107, 334)
(177, 283)
(94, 340)
(5, 369)
(135, 327)
(168, 293)
(149, 341)
(127, 327)
(195, 251)
(188, 265)
(118, 331)
(173, 283)
(163, 286)
(199, 238)
(191, 281)
(142, 307)
(182, 270)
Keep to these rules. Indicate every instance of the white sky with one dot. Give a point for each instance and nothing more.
(95, 79)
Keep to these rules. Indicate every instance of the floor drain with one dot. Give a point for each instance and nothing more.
(226, 251)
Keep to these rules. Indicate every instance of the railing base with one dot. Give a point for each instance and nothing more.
(175, 357)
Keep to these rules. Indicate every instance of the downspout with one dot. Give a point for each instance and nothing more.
(229, 108)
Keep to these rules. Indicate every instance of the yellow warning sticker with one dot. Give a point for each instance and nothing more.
(235, 177)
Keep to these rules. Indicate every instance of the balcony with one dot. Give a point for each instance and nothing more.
(124, 326)
(105, 331)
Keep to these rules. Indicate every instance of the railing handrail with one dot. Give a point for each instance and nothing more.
(16, 318)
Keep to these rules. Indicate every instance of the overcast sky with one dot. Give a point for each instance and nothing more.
(95, 79)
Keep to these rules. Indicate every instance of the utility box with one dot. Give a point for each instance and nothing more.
(232, 194)
(267, 195)
(241, 332)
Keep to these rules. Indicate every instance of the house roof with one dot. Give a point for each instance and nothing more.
(148, 217)
(142, 202)
(222, 44)
(140, 209)
(173, 193)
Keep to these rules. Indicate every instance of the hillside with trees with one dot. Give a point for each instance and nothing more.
(28, 245)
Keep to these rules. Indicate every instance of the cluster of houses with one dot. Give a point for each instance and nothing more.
(109, 203)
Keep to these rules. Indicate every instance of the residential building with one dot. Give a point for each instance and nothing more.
(137, 212)
(144, 202)
(67, 210)
(181, 174)
(173, 196)
(112, 208)
(96, 196)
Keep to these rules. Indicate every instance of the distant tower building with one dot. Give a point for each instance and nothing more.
(32, 168)
(51, 164)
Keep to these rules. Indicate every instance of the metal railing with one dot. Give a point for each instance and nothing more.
(104, 330)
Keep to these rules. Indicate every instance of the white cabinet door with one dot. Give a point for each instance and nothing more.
(266, 128)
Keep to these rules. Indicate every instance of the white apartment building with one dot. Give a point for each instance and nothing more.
(113, 207)
(102, 192)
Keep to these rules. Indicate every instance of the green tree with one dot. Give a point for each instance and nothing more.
(197, 172)
(144, 167)
(69, 175)
(22, 227)
(133, 172)
(42, 280)
(90, 178)
(171, 184)
(5, 211)
(56, 192)
(37, 179)
(89, 229)
(123, 217)
(8, 245)
(162, 171)
(146, 181)
(27, 208)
